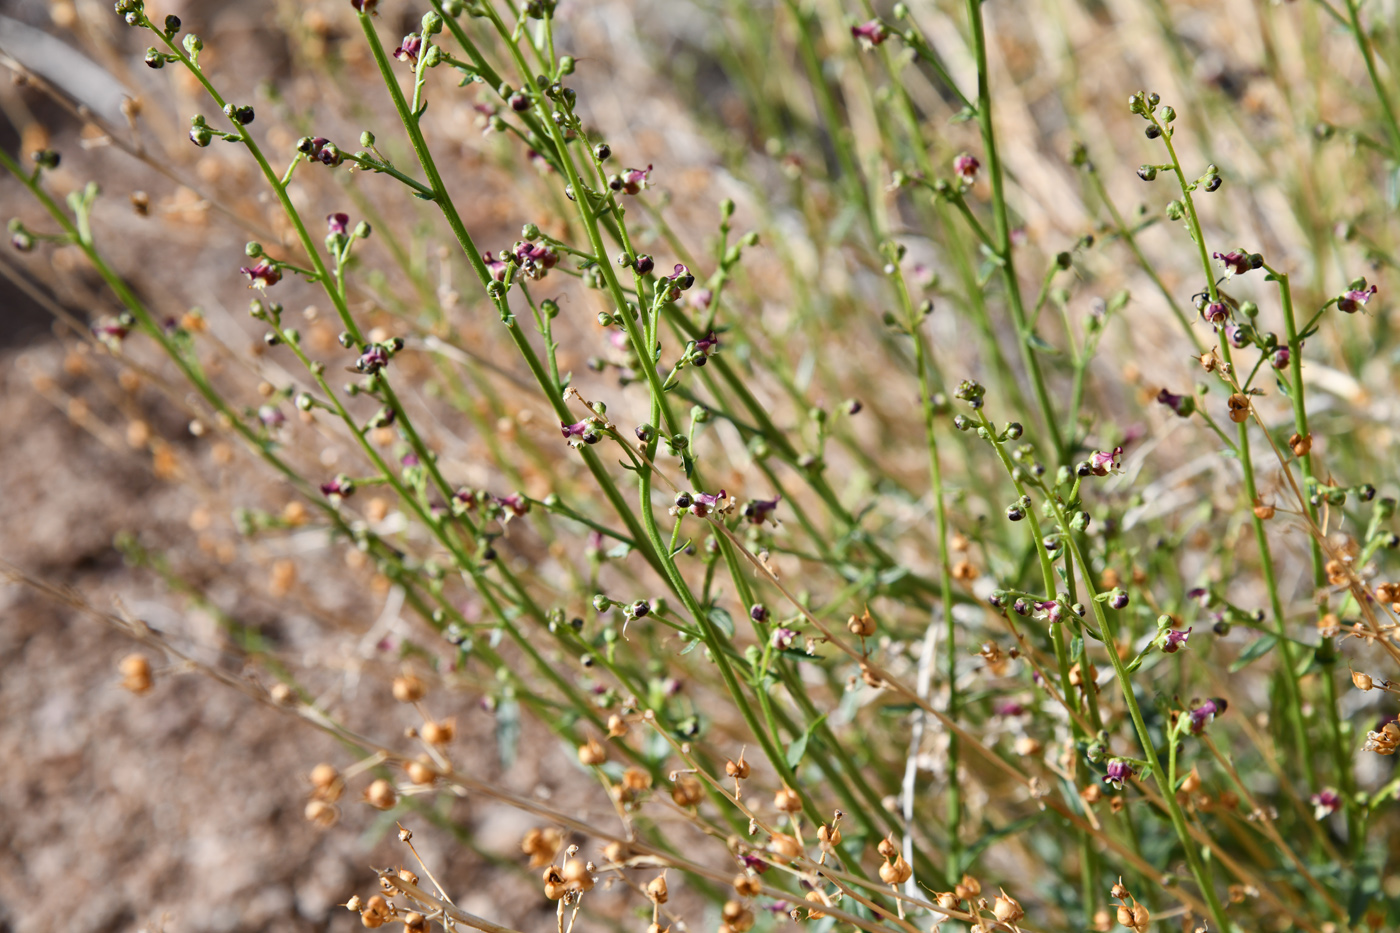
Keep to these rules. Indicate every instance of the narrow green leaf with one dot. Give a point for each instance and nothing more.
(1256, 650)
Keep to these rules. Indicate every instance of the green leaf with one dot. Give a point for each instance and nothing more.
(507, 731)
(722, 620)
(1282, 387)
(680, 548)
(1036, 342)
(1117, 302)
(620, 550)
(798, 748)
(1256, 650)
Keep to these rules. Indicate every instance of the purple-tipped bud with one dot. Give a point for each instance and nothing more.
(1118, 599)
(271, 416)
(681, 277)
(1183, 405)
(262, 275)
(633, 180)
(1237, 336)
(758, 612)
(338, 223)
(497, 267)
(1280, 358)
(872, 33)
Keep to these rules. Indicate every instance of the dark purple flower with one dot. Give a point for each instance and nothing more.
(262, 275)
(271, 416)
(323, 150)
(873, 32)
(1118, 599)
(408, 49)
(782, 638)
(109, 330)
(516, 502)
(1174, 640)
(758, 612)
(372, 360)
(1102, 463)
(703, 503)
(966, 166)
(671, 686)
(1352, 301)
(1009, 708)
(496, 266)
(409, 460)
(1203, 714)
(1052, 610)
(465, 497)
(702, 299)
(1236, 262)
(681, 278)
(365, 6)
(1118, 772)
(1237, 336)
(758, 511)
(1183, 405)
(1215, 312)
(1201, 595)
(23, 242)
(338, 223)
(535, 259)
(1280, 358)
(595, 542)
(633, 180)
(585, 430)
(341, 487)
(1325, 802)
(754, 863)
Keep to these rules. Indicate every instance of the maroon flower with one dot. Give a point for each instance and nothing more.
(1102, 464)
(1174, 640)
(109, 330)
(872, 33)
(1236, 262)
(535, 259)
(633, 180)
(1203, 714)
(496, 266)
(262, 275)
(1215, 312)
(341, 487)
(1237, 336)
(365, 6)
(704, 503)
(408, 49)
(966, 166)
(515, 502)
(1280, 358)
(271, 416)
(1352, 301)
(1118, 772)
(783, 638)
(338, 223)
(1325, 802)
(754, 863)
(585, 430)
(372, 360)
(759, 511)
(1183, 405)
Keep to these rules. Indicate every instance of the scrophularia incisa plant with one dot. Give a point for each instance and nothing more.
(972, 501)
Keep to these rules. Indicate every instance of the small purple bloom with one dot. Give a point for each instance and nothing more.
(1118, 599)
(1215, 313)
(109, 330)
(1052, 610)
(324, 151)
(535, 259)
(271, 416)
(409, 460)
(372, 360)
(585, 430)
(759, 511)
(1203, 714)
(703, 503)
(464, 497)
(1118, 772)
(758, 612)
(1174, 640)
(1009, 708)
(754, 863)
(633, 180)
(1352, 301)
(671, 686)
(1201, 595)
(783, 637)
(873, 33)
(338, 223)
(708, 345)
(681, 278)
(1102, 463)
(966, 166)
(341, 487)
(702, 299)
(262, 275)
(1183, 405)
(1236, 262)
(497, 267)
(408, 49)
(1325, 802)
(365, 6)
(1281, 358)
(516, 502)
(1237, 336)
